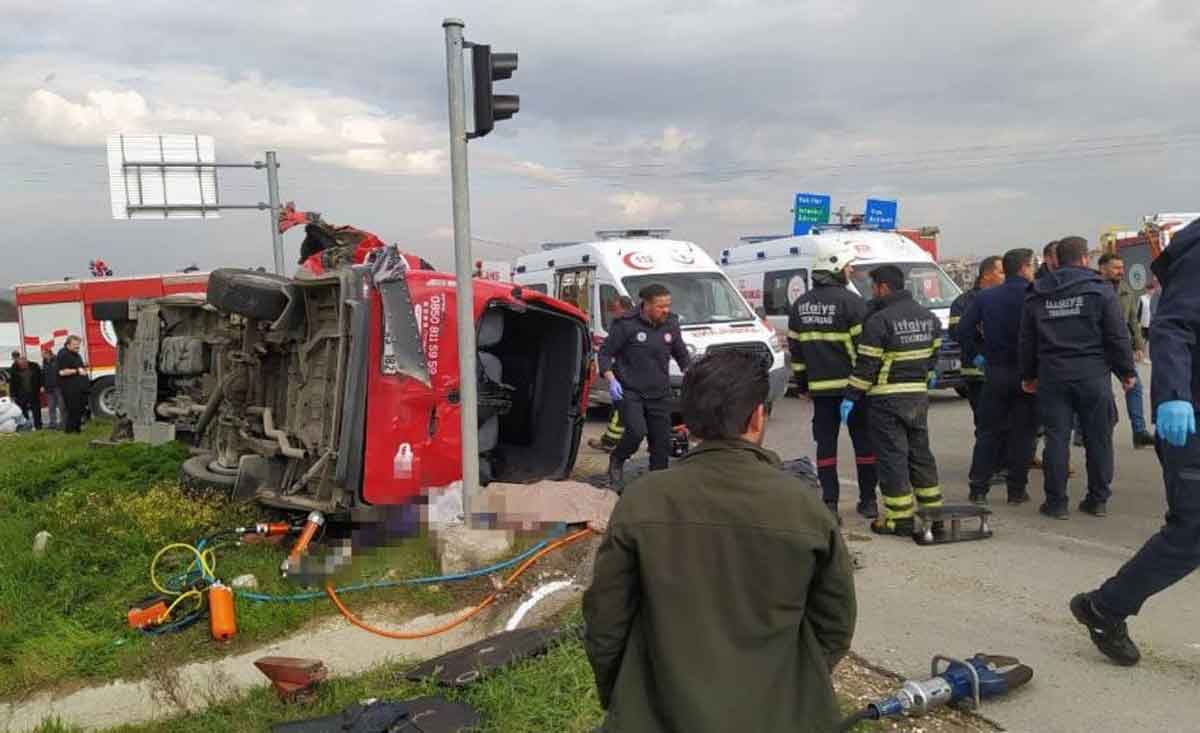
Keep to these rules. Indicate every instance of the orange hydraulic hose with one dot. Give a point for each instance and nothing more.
(469, 613)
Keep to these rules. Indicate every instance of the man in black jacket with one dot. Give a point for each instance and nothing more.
(1173, 553)
(1073, 335)
(54, 403)
(1004, 431)
(635, 359)
(25, 383)
(896, 358)
(823, 328)
(990, 275)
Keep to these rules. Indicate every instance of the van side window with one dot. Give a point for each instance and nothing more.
(781, 288)
(575, 287)
(610, 305)
(539, 287)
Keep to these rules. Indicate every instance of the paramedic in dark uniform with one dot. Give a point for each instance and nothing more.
(990, 275)
(635, 359)
(823, 330)
(1073, 335)
(1173, 553)
(897, 354)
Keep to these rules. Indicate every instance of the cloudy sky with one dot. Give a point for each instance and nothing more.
(1005, 123)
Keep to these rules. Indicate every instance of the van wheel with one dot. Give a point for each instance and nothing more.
(103, 399)
(111, 310)
(256, 295)
(196, 476)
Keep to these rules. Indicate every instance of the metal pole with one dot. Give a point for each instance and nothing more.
(463, 266)
(273, 200)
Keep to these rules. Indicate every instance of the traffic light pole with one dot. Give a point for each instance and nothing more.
(463, 267)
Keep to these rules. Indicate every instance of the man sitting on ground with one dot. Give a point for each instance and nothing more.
(723, 594)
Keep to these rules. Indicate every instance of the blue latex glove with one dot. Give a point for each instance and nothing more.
(1176, 420)
(979, 361)
(847, 406)
(614, 390)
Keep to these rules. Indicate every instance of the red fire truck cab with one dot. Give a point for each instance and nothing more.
(48, 312)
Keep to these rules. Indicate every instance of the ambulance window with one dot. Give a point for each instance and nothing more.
(610, 305)
(781, 288)
(575, 287)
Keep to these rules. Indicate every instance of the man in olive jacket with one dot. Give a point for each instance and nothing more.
(723, 594)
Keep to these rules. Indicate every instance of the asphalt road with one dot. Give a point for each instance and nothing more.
(1009, 594)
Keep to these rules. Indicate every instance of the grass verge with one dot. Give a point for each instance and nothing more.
(109, 510)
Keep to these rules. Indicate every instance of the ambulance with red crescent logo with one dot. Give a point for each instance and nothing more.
(596, 275)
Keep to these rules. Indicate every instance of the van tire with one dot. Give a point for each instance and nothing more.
(111, 310)
(103, 398)
(196, 477)
(257, 295)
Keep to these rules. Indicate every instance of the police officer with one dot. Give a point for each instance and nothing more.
(897, 354)
(1073, 335)
(1007, 415)
(634, 360)
(1174, 552)
(990, 275)
(823, 328)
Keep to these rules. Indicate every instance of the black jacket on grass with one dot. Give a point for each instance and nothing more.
(722, 597)
(823, 328)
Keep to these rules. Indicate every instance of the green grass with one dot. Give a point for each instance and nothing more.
(551, 693)
(109, 510)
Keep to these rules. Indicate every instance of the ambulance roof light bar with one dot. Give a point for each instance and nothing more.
(649, 233)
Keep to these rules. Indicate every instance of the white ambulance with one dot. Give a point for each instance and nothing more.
(595, 275)
(773, 272)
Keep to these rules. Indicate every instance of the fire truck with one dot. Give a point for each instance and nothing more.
(1139, 248)
(48, 312)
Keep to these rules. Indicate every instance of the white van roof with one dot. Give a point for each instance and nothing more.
(871, 245)
(622, 257)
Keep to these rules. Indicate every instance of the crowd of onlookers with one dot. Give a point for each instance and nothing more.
(60, 382)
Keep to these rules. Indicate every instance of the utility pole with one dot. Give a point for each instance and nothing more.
(463, 267)
(273, 202)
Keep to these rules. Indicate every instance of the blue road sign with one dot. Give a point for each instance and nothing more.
(880, 214)
(811, 209)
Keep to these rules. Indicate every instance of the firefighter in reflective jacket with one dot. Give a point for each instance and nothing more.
(896, 357)
(823, 331)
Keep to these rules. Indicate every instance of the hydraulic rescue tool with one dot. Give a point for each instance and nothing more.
(943, 525)
(981, 676)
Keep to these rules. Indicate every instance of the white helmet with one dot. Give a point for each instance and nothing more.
(833, 255)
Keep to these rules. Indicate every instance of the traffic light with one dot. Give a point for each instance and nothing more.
(487, 67)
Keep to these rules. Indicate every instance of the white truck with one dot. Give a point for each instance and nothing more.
(595, 275)
(772, 273)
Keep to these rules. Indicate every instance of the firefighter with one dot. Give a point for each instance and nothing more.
(990, 275)
(1073, 335)
(823, 328)
(635, 359)
(1174, 552)
(614, 431)
(897, 354)
(1006, 422)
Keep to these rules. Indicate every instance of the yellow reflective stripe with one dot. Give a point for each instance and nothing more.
(954, 320)
(971, 372)
(859, 383)
(856, 329)
(885, 371)
(910, 355)
(819, 335)
(898, 507)
(898, 502)
(797, 368)
(937, 344)
(874, 351)
(829, 384)
(929, 492)
(901, 388)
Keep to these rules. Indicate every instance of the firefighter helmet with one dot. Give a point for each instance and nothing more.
(833, 255)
